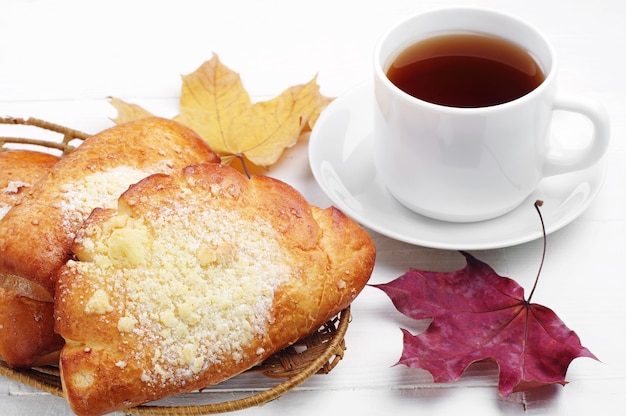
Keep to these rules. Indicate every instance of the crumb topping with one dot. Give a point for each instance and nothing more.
(13, 187)
(191, 283)
(11, 190)
(98, 303)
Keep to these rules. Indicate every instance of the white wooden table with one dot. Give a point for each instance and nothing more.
(59, 60)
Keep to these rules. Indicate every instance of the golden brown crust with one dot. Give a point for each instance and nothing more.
(19, 170)
(27, 335)
(26, 325)
(223, 271)
(37, 233)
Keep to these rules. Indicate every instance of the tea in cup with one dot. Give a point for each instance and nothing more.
(464, 99)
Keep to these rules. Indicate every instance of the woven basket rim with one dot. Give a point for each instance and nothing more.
(64, 144)
(321, 351)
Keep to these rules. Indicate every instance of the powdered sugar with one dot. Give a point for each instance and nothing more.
(99, 189)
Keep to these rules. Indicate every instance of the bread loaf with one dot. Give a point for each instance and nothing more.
(37, 233)
(26, 325)
(194, 278)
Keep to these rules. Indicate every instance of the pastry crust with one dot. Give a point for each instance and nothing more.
(196, 277)
(26, 325)
(36, 234)
(19, 170)
(27, 336)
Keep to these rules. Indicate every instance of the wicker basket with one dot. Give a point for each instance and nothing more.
(318, 353)
(59, 139)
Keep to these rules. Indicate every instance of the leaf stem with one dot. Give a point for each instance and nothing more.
(538, 204)
(243, 164)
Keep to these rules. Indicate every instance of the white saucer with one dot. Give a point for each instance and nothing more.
(341, 157)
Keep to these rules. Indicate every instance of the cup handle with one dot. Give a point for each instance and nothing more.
(571, 160)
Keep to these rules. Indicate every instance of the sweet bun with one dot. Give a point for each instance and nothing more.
(26, 325)
(196, 276)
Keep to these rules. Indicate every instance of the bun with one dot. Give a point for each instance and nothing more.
(26, 326)
(197, 276)
(37, 233)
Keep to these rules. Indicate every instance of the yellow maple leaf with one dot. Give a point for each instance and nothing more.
(215, 104)
(128, 112)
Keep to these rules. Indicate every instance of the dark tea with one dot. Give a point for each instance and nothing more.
(466, 70)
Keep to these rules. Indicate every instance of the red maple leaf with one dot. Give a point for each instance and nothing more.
(480, 315)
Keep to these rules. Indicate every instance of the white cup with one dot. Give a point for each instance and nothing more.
(472, 164)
